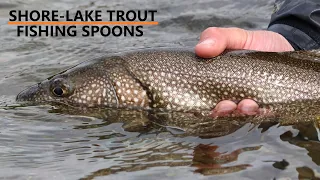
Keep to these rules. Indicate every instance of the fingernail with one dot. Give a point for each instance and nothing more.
(208, 41)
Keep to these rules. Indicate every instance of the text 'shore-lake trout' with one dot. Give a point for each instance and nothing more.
(288, 84)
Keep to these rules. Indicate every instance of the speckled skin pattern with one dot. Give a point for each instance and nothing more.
(177, 80)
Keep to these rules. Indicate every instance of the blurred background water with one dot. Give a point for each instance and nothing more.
(37, 144)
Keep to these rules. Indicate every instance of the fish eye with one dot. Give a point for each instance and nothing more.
(59, 87)
(58, 91)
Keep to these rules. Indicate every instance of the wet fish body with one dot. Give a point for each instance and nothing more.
(179, 81)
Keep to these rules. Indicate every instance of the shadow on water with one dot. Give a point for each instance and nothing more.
(203, 157)
(125, 141)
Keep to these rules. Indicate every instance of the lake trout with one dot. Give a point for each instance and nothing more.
(165, 81)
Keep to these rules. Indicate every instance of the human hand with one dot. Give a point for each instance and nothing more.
(213, 41)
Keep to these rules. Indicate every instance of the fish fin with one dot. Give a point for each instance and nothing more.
(199, 124)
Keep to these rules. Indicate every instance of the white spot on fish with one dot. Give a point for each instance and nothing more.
(104, 92)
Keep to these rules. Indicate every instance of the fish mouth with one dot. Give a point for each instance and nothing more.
(34, 96)
(29, 94)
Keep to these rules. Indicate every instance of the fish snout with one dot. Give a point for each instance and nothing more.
(30, 94)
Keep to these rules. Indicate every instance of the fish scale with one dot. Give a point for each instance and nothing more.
(178, 80)
(267, 78)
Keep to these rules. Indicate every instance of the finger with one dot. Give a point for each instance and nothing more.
(248, 107)
(224, 108)
(213, 41)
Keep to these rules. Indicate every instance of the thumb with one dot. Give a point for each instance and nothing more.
(213, 41)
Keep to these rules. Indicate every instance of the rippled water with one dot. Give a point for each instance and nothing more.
(36, 143)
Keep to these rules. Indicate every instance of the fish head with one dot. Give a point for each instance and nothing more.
(58, 89)
(81, 86)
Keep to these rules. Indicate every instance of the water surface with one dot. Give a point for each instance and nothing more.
(36, 143)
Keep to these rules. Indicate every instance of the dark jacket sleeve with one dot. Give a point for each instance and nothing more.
(298, 21)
